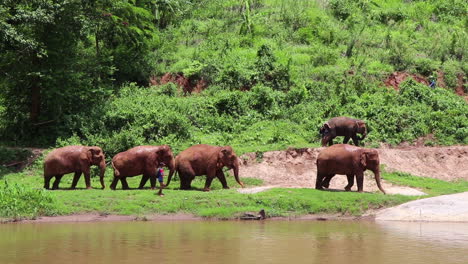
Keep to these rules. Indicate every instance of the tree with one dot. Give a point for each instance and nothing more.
(59, 58)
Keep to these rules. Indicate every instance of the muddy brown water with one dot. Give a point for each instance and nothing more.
(234, 242)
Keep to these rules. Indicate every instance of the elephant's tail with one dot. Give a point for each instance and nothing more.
(116, 171)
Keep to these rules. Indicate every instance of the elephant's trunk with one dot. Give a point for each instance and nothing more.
(378, 180)
(235, 167)
(171, 166)
(102, 167)
(324, 141)
(364, 134)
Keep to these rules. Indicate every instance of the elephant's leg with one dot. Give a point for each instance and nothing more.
(55, 186)
(76, 177)
(182, 181)
(87, 177)
(222, 178)
(186, 177)
(114, 183)
(360, 180)
(207, 183)
(152, 179)
(326, 180)
(330, 142)
(143, 181)
(319, 180)
(350, 182)
(189, 182)
(355, 140)
(346, 139)
(47, 182)
(124, 182)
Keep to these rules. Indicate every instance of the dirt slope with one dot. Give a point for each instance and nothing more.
(296, 167)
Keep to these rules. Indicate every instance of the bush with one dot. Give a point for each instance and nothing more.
(451, 71)
(18, 202)
(168, 89)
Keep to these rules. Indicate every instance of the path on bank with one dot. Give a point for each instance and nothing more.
(445, 208)
(295, 168)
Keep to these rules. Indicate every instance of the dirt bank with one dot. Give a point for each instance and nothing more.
(295, 168)
(95, 217)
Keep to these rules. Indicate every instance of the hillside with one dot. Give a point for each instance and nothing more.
(255, 74)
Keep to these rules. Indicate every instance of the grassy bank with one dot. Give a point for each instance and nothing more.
(21, 196)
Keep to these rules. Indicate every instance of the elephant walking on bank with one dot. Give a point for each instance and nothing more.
(343, 126)
(77, 159)
(205, 160)
(349, 160)
(141, 160)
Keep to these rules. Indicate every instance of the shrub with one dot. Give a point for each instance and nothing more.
(17, 202)
(169, 89)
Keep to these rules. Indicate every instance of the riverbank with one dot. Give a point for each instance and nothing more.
(96, 217)
(445, 208)
(279, 182)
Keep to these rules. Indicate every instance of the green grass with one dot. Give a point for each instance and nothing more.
(430, 186)
(219, 203)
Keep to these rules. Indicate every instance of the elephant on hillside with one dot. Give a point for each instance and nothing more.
(77, 159)
(349, 160)
(343, 126)
(141, 160)
(205, 160)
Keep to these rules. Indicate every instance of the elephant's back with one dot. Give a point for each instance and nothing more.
(63, 153)
(197, 151)
(337, 151)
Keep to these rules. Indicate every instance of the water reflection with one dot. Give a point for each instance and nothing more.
(234, 242)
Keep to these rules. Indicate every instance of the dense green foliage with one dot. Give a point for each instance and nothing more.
(76, 71)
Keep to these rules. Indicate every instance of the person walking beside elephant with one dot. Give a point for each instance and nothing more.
(77, 159)
(349, 160)
(141, 160)
(343, 126)
(205, 160)
(160, 174)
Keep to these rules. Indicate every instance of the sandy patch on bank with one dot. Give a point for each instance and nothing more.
(295, 168)
(445, 208)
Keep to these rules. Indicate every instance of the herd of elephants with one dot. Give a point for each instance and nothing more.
(209, 160)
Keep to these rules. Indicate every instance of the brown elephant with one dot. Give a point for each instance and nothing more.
(141, 160)
(77, 159)
(205, 160)
(343, 126)
(350, 161)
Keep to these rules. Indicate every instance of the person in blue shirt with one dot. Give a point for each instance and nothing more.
(160, 176)
(432, 81)
(160, 173)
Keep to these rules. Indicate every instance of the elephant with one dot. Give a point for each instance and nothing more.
(77, 159)
(206, 160)
(343, 126)
(141, 160)
(348, 160)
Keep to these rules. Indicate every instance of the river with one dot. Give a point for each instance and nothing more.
(227, 242)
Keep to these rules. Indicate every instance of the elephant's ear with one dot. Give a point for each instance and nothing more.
(90, 153)
(363, 159)
(325, 128)
(222, 156)
(162, 150)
